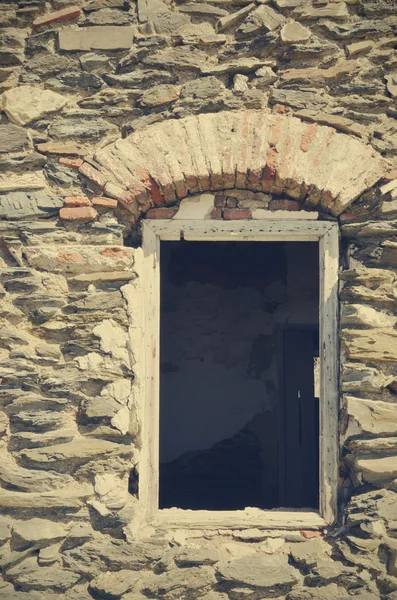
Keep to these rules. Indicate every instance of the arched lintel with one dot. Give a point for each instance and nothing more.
(251, 149)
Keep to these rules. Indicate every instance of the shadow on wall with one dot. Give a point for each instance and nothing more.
(228, 476)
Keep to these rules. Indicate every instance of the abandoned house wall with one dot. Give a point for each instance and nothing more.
(112, 110)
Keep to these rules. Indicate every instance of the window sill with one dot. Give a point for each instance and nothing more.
(175, 518)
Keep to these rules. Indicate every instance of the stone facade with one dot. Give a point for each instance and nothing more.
(112, 110)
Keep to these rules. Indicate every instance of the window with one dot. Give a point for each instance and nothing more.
(239, 410)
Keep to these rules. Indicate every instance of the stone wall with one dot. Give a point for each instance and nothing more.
(103, 120)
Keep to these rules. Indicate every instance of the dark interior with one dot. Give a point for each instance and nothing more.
(239, 416)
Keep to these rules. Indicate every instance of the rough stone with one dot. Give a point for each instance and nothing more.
(373, 416)
(293, 32)
(234, 18)
(5, 529)
(377, 470)
(13, 138)
(37, 532)
(79, 450)
(25, 104)
(262, 19)
(65, 498)
(115, 585)
(362, 378)
(336, 10)
(366, 316)
(11, 47)
(108, 16)
(359, 48)
(173, 583)
(193, 557)
(380, 344)
(392, 84)
(316, 75)
(23, 181)
(201, 8)
(239, 65)
(270, 573)
(80, 128)
(266, 76)
(21, 205)
(309, 553)
(179, 57)
(336, 121)
(107, 554)
(297, 99)
(326, 592)
(160, 95)
(30, 576)
(359, 29)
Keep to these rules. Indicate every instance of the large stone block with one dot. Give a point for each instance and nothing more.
(271, 574)
(65, 498)
(25, 104)
(186, 581)
(80, 450)
(37, 532)
(21, 205)
(12, 138)
(374, 344)
(108, 37)
(357, 377)
(366, 316)
(378, 471)
(373, 416)
(79, 259)
(28, 575)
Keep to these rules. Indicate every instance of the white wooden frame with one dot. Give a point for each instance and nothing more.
(327, 235)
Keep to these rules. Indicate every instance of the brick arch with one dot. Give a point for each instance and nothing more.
(248, 149)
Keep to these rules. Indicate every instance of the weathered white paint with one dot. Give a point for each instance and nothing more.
(327, 234)
(196, 207)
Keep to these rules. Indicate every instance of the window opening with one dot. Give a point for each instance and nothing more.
(239, 414)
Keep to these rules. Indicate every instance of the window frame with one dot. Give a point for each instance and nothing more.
(146, 324)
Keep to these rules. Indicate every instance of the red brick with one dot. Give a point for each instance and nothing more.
(220, 201)
(59, 15)
(69, 256)
(104, 202)
(216, 213)
(347, 218)
(284, 205)
(73, 201)
(145, 187)
(275, 132)
(308, 137)
(116, 252)
(231, 202)
(309, 534)
(127, 199)
(60, 148)
(73, 163)
(161, 213)
(155, 193)
(230, 214)
(82, 213)
(93, 174)
(269, 171)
